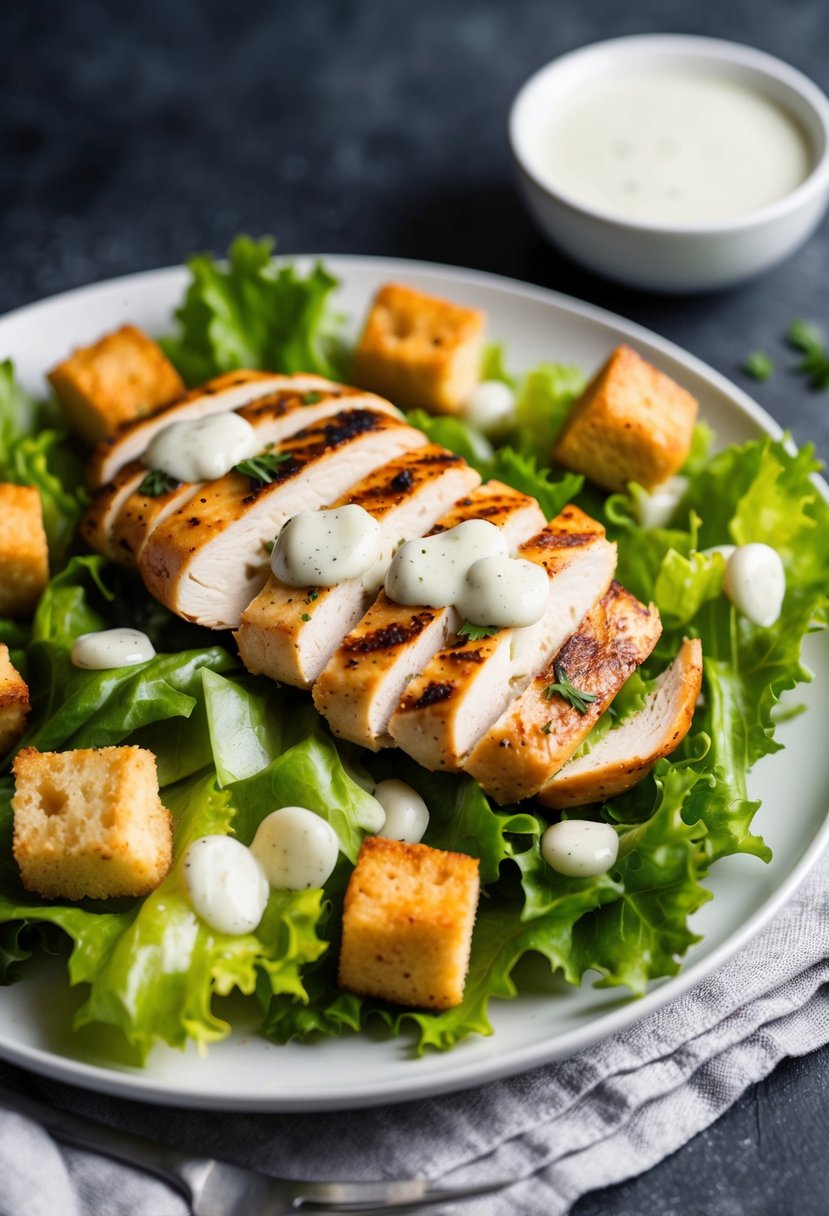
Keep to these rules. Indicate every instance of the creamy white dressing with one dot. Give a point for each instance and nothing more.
(111, 648)
(755, 582)
(674, 147)
(580, 848)
(323, 548)
(655, 509)
(406, 814)
(202, 449)
(225, 883)
(491, 406)
(469, 566)
(296, 848)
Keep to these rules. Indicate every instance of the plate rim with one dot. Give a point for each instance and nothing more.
(463, 1075)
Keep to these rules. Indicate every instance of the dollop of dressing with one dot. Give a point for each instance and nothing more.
(580, 848)
(491, 406)
(755, 582)
(655, 509)
(296, 848)
(323, 548)
(226, 884)
(111, 648)
(407, 815)
(469, 566)
(202, 449)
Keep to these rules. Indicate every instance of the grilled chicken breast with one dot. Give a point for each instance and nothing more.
(468, 684)
(628, 752)
(365, 678)
(289, 633)
(208, 559)
(541, 729)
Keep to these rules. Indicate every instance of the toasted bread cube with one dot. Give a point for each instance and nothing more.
(420, 351)
(407, 923)
(89, 823)
(123, 376)
(632, 423)
(14, 702)
(24, 554)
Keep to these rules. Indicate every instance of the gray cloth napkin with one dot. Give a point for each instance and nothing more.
(604, 1115)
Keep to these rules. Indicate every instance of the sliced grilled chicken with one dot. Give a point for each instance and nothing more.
(289, 633)
(363, 681)
(107, 503)
(273, 417)
(625, 755)
(468, 684)
(208, 559)
(541, 729)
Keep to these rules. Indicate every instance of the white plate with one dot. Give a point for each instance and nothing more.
(245, 1072)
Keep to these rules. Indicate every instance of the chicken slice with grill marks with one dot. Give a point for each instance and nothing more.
(469, 683)
(209, 559)
(289, 633)
(363, 681)
(541, 729)
(629, 751)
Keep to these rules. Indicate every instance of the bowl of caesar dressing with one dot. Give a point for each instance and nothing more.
(670, 162)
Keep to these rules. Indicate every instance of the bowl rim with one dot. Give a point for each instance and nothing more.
(714, 50)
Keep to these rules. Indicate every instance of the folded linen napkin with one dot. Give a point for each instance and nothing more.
(603, 1115)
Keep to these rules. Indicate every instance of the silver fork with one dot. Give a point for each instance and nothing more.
(216, 1188)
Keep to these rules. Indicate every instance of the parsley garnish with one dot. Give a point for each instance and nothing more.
(545, 730)
(758, 365)
(156, 483)
(311, 398)
(815, 362)
(311, 596)
(306, 616)
(574, 696)
(261, 469)
(269, 545)
(476, 633)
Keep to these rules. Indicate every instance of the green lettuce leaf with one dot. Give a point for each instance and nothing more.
(545, 396)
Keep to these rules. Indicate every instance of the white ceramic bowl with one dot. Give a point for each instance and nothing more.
(669, 257)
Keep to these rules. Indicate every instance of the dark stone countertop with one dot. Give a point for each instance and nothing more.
(134, 134)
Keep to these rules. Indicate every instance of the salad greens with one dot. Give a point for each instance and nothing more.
(231, 747)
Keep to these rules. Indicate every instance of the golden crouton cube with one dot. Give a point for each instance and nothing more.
(14, 702)
(89, 823)
(123, 376)
(632, 423)
(407, 923)
(420, 351)
(24, 554)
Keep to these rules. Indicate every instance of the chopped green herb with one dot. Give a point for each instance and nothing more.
(758, 365)
(156, 483)
(262, 469)
(311, 398)
(311, 596)
(476, 633)
(545, 730)
(815, 362)
(563, 686)
(269, 545)
(306, 616)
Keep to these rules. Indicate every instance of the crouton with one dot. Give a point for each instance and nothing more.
(407, 924)
(632, 423)
(24, 555)
(89, 823)
(123, 376)
(14, 702)
(420, 351)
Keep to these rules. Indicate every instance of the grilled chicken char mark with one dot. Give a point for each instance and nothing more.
(209, 559)
(364, 679)
(289, 633)
(541, 729)
(465, 688)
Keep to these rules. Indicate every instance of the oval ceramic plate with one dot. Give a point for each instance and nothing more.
(550, 1019)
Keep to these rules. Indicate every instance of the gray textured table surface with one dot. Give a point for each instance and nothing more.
(133, 134)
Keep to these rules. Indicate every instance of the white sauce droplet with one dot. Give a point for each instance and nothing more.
(504, 591)
(111, 648)
(755, 582)
(656, 508)
(203, 449)
(296, 848)
(580, 848)
(491, 406)
(323, 548)
(225, 883)
(407, 816)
